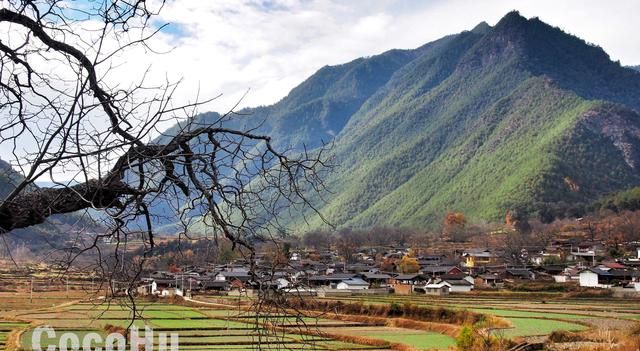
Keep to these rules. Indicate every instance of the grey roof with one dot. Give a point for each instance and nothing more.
(214, 284)
(437, 269)
(355, 281)
(477, 253)
(519, 271)
(408, 276)
(369, 275)
(164, 281)
(458, 282)
(241, 276)
(332, 277)
(597, 271)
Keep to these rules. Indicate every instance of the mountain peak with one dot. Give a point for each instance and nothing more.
(513, 18)
(482, 28)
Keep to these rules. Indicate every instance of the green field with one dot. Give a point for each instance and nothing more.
(203, 327)
(527, 317)
(532, 326)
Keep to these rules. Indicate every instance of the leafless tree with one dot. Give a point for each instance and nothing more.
(318, 239)
(60, 112)
(347, 242)
(630, 226)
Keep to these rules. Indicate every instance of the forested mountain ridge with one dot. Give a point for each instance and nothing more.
(8, 179)
(519, 115)
(316, 110)
(493, 120)
(50, 236)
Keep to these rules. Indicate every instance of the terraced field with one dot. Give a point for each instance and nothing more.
(531, 317)
(218, 323)
(198, 328)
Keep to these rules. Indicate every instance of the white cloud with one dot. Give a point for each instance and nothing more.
(271, 46)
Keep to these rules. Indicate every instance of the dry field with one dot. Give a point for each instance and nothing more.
(217, 323)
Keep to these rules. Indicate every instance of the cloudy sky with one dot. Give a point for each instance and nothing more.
(261, 49)
(230, 46)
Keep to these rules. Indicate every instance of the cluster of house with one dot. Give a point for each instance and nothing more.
(435, 274)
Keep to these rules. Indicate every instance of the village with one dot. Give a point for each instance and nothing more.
(399, 270)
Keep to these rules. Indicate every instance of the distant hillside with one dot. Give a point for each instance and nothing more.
(45, 237)
(8, 178)
(637, 68)
(517, 115)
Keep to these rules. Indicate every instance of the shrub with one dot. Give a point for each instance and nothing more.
(590, 293)
(474, 339)
(537, 287)
(564, 336)
(395, 309)
(464, 341)
(419, 313)
(110, 328)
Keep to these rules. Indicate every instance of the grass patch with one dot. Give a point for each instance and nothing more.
(198, 323)
(533, 326)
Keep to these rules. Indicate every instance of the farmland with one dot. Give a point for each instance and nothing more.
(221, 323)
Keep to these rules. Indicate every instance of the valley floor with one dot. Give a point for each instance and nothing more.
(224, 323)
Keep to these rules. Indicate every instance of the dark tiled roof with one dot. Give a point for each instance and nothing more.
(214, 284)
(438, 269)
(408, 277)
(624, 273)
(368, 275)
(521, 272)
(597, 271)
(331, 277)
(458, 282)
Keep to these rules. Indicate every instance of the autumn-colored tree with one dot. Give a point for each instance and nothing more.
(314, 256)
(173, 268)
(454, 226)
(455, 219)
(387, 265)
(409, 264)
(518, 220)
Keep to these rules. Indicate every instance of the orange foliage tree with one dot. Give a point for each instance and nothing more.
(454, 225)
(409, 264)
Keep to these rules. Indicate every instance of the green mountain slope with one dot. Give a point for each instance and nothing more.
(522, 115)
(316, 111)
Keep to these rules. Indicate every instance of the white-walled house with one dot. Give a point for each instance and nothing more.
(282, 283)
(561, 278)
(352, 284)
(168, 292)
(590, 278)
(459, 285)
(440, 288)
(148, 288)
